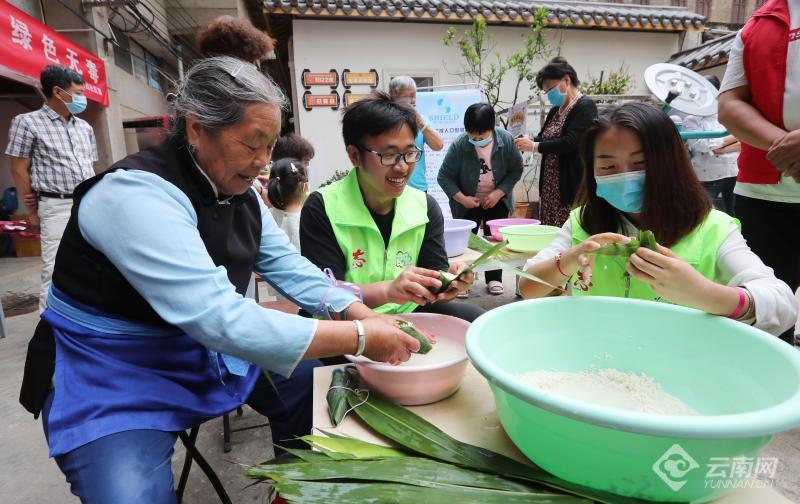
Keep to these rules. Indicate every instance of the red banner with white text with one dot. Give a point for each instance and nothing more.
(27, 46)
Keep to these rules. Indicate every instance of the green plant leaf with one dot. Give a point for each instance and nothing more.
(340, 448)
(417, 434)
(408, 328)
(337, 396)
(407, 470)
(362, 493)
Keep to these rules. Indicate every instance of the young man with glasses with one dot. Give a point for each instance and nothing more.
(373, 230)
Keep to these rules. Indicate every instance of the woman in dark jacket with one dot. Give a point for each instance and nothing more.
(559, 139)
(478, 174)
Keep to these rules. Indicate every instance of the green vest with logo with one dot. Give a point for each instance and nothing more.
(367, 259)
(699, 248)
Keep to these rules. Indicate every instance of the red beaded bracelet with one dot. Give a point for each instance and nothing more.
(558, 266)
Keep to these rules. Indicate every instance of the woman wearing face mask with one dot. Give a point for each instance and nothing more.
(638, 176)
(559, 140)
(478, 174)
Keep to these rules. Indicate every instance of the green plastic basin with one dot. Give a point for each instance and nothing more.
(743, 382)
(528, 237)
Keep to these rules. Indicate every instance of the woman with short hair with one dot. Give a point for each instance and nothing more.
(479, 173)
(559, 140)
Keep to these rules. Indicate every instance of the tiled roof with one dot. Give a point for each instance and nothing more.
(560, 13)
(712, 53)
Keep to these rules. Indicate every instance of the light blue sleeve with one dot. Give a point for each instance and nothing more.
(292, 275)
(147, 228)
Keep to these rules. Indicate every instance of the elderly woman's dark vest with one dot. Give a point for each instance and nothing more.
(231, 233)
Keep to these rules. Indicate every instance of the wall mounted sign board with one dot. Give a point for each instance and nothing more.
(360, 79)
(330, 79)
(311, 101)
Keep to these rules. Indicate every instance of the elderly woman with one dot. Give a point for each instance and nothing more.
(559, 140)
(403, 89)
(147, 332)
(478, 174)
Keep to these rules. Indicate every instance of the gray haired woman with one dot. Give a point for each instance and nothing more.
(146, 314)
(403, 89)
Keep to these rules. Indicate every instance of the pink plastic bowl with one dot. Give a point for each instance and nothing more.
(496, 224)
(415, 385)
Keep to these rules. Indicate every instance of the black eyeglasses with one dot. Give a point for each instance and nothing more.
(392, 158)
(484, 167)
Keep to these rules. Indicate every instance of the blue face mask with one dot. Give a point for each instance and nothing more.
(556, 97)
(625, 191)
(481, 143)
(77, 105)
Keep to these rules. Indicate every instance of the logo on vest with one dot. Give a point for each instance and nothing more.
(402, 259)
(358, 260)
(581, 283)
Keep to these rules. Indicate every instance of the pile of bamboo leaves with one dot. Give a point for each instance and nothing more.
(429, 466)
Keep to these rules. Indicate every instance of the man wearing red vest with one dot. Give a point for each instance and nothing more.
(759, 103)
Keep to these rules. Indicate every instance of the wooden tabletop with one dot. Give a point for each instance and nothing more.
(469, 415)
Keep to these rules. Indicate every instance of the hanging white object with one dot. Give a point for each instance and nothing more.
(681, 89)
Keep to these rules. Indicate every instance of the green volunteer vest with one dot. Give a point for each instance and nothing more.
(698, 248)
(368, 260)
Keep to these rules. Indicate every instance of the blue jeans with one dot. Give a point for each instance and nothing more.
(135, 467)
(721, 193)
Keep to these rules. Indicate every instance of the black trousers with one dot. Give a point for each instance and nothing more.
(772, 231)
(458, 309)
(482, 215)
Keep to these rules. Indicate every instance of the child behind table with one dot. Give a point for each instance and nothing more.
(286, 189)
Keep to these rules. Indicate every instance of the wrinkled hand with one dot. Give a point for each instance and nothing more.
(785, 155)
(31, 201)
(457, 286)
(414, 284)
(670, 277)
(525, 144)
(469, 202)
(492, 199)
(420, 121)
(385, 342)
(577, 257)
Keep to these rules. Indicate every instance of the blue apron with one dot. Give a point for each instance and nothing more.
(114, 375)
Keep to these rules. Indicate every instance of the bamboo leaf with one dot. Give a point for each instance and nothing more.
(408, 328)
(298, 455)
(337, 396)
(362, 493)
(339, 448)
(529, 276)
(417, 434)
(480, 244)
(407, 470)
(648, 239)
(484, 257)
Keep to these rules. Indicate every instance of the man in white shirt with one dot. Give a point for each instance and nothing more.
(52, 151)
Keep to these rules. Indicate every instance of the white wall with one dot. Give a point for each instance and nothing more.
(321, 45)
